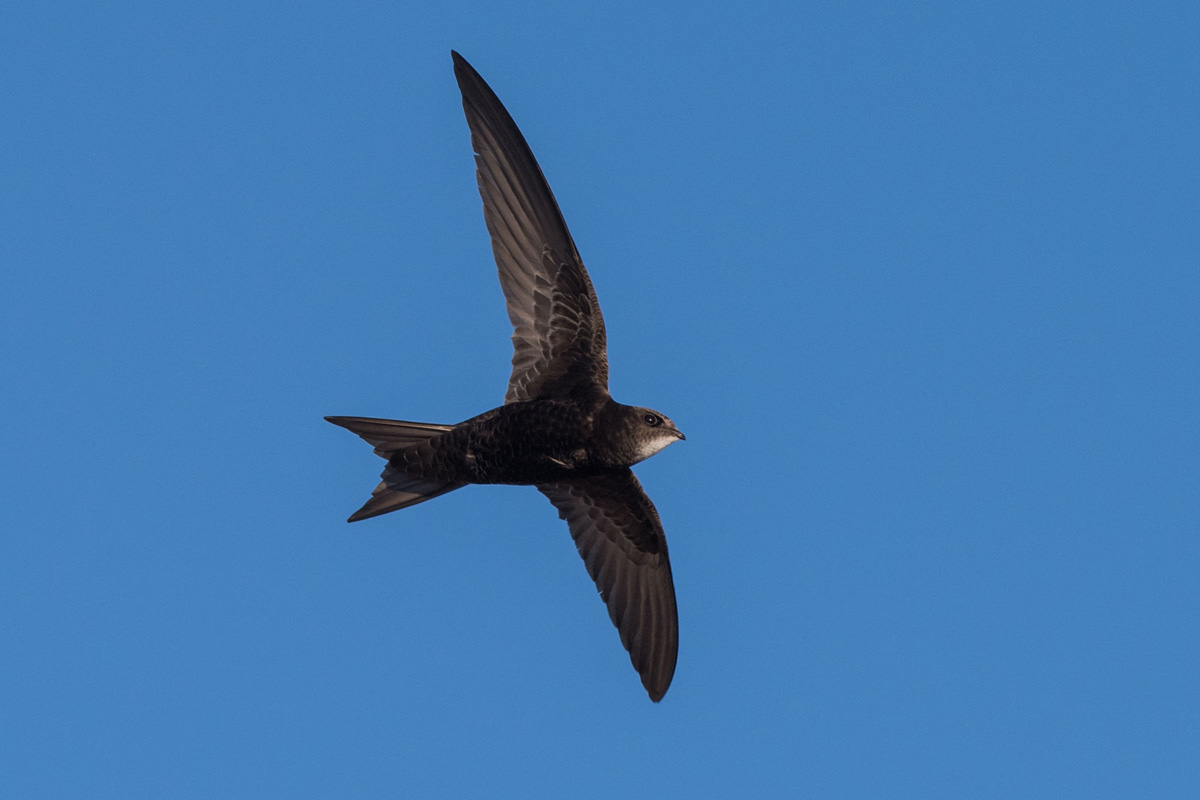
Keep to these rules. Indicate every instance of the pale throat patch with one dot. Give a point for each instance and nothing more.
(651, 445)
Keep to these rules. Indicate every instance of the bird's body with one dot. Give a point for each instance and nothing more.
(531, 442)
(558, 429)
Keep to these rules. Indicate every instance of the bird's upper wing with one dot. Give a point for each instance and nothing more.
(620, 537)
(558, 333)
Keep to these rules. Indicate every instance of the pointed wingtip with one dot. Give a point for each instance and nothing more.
(465, 74)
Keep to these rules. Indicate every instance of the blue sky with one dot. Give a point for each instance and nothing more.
(919, 282)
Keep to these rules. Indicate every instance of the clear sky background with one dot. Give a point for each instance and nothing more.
(919, 281)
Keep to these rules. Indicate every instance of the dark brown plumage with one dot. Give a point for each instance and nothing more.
(558, 429)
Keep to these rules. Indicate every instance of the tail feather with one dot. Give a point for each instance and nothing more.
(389, 435)
(398, 489)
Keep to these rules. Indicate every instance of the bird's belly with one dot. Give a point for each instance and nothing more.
(525, 450)
(513, 462)
(521, 443)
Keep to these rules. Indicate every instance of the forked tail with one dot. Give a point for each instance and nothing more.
(398, 488)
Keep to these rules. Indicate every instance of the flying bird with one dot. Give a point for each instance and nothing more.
(559, 429)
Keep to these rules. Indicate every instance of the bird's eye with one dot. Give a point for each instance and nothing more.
(653, 420)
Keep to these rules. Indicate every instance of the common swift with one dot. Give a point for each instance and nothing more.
(559, 429)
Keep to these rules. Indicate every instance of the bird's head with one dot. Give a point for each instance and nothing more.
(648, 431)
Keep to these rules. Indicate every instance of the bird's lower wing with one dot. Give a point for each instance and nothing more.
(618, 533)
